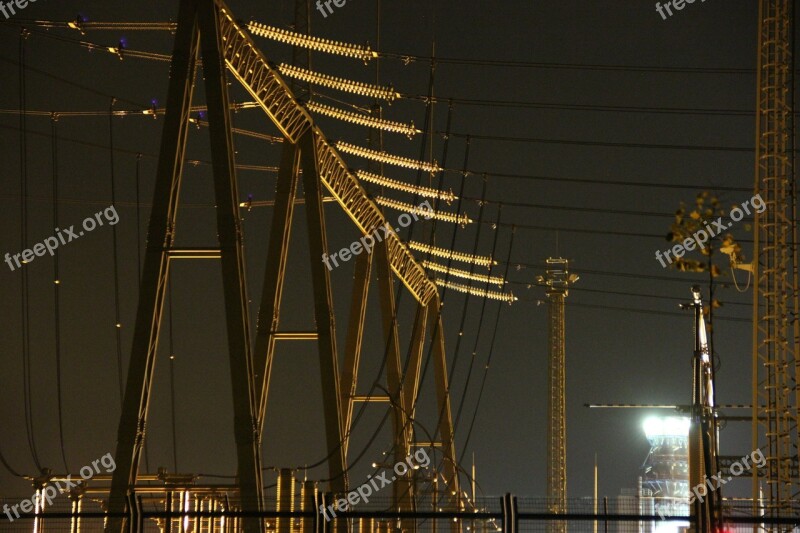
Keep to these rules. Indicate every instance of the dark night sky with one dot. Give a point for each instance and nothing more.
(620, 347)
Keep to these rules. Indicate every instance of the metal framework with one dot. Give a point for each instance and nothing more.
(776, 332)
(703, 431)
(558, 279)
(209, 27)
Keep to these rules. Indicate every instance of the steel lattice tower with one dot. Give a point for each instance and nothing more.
(557, 279)
(776, 333)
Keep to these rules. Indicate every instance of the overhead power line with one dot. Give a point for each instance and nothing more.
(141, 54)
(654, 146)
(408, 58)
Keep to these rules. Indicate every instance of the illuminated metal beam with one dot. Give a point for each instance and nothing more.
(265, 85)
(366, 214)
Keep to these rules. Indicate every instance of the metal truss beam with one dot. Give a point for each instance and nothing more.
(266, 86)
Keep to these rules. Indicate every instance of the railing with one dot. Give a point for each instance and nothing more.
(208, 512)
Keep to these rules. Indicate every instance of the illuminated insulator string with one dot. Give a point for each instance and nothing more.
(425, 192)
(339, 84)
(364, 120)
(389, 159)
(492, 295)
(312, 43)
(482, 278)
(444, 253)
(427, 213)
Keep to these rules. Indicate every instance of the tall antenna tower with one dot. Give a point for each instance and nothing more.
(776, 331)
(557, 279)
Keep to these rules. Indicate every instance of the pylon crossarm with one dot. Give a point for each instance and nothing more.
(265, 84)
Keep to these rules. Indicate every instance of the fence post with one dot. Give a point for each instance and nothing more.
(510, 514)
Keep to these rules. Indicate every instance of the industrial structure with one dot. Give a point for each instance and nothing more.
(776, 323)
(207, 28)
(684, 451)
(665, 471)
(557, 279)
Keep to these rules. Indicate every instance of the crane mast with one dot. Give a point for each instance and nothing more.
(776, 332)
(557, 279)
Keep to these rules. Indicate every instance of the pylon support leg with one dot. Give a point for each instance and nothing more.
(155, 272)
(402, 424)
(323, 311)
(445, 428)
(234, 280)
(355, 336)
(274, 274)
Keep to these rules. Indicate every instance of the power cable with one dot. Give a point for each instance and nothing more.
(139, 274)
(57, 296)
(653, 146)
(624, 293)
(410, 58)
(477, 338)
(361, 410)
(641, 311)
(172, 385)
(125, 52)
(117, 323)
(70, 83)
(604, 182)
(488, 359)
(477, 335)
(189, 162)
(25, 307)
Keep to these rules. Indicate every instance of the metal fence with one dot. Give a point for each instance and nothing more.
(185, 512)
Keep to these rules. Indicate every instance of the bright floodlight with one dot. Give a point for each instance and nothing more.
(670, 426)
